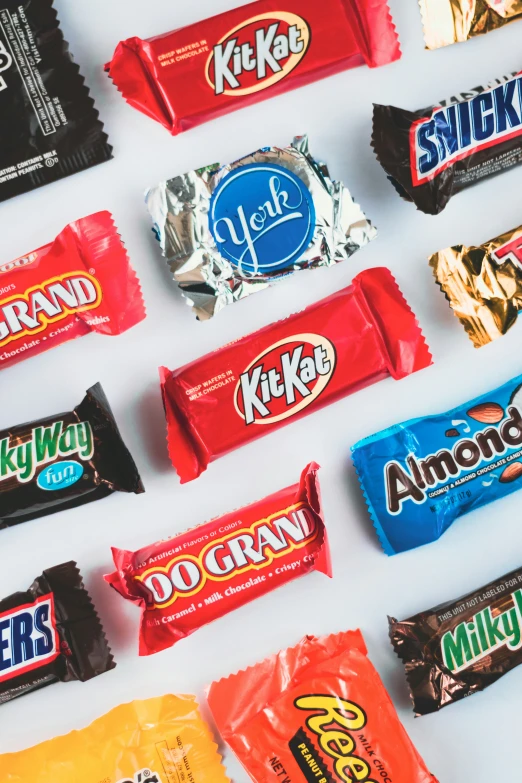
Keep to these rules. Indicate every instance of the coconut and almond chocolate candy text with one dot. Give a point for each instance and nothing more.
(64, 461)
(461, 646)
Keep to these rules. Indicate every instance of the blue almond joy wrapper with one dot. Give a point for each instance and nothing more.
(419, 476)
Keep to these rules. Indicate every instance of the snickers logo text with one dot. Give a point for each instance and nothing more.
(332, 722)
(31, 312)
(20, 460)
(243, 550)
(257, 53)
(454, 132)
(285, 378)
(28, 637)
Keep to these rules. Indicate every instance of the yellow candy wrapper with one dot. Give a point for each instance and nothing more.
(452, 21)
(160, 740)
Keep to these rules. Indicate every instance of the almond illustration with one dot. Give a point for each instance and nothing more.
(511, 473)
(487, 413)
(453, 433)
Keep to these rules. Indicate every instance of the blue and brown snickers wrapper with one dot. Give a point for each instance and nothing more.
(50, 633)
(453, 21)
(63, 461)
(483, 284)
(432, 154)
(461, 646)
(421, 475)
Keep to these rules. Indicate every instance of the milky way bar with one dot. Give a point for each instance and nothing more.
(431, 154)
(242, 56)
(48, 124)
(63, 461)
(452, 21)
(483, 284)
(50, 633)
(359, 335)
(461, 646)
(419, 476)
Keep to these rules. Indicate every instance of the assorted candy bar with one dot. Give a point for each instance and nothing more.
(197, 576)
(193, 74)
(48, 124)
(228, 231)
(357, 336)
(80, 283)
(50, 633)
(452, 21)
(160, 740)
(63, 461)
(419, 476)
(483, 284)
(431, 154)
(316, 712)
(461, 646)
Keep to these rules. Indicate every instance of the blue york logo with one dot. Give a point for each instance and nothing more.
(262, 218)
(456, 131)
(60, 475)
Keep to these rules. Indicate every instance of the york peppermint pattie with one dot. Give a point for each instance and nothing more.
(419, 476)
(230, 230)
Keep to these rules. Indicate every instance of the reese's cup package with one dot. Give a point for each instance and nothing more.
(315, 713)
(48, 124)
(159, 740)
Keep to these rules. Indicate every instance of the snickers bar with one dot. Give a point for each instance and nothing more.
(419, 476)
(191, 75)
(63, 461)
(483, 284)
(197, 576)
(432, 154)
(462, 646)
(357, 336)
(50, 633)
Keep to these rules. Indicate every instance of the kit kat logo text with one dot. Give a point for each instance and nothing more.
(459, 130)
(257, 53)
(285, 378)
(27, 314)
(333, 721)
(28, 637)
(243, 550)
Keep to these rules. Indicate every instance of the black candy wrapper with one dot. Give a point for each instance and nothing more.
(50, 633)
(64, 461)
(49, 127)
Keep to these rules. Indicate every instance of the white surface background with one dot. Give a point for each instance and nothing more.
(477, 739)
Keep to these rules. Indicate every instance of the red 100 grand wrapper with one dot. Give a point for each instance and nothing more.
(81, 282)
(357, 336)
(186, 77)
(197, 576)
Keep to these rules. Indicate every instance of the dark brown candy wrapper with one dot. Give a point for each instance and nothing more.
(432, 154)
(64, 461)
(50, 633)
(462, 646)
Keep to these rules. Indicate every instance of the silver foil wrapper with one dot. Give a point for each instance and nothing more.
(262, 241)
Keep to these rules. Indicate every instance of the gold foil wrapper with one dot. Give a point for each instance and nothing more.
(483, 284)
(452, 21)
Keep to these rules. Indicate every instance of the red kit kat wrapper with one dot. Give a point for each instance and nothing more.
(357, 336)
(80, 283)
(197, 576)
(191, 75)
